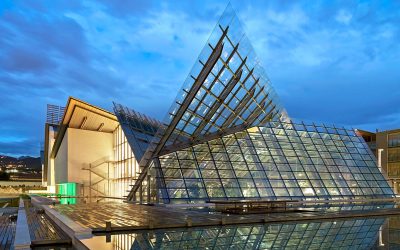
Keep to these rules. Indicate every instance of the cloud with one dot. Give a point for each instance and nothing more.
(344, 17)
(330, 62)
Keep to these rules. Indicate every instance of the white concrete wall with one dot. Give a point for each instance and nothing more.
(78, 150)
(85, 148)
(61, 162)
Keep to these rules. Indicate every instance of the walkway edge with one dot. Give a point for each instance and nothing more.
(75, 231)
(22, 237)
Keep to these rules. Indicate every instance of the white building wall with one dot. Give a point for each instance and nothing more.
(90, 150)
(60, 163)
(108, 155)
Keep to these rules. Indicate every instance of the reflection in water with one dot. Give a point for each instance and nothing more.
(340, 234)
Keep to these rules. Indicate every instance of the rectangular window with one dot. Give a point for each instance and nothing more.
(393, 154)
(394, 140)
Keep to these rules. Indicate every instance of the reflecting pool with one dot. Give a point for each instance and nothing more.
(357, 233)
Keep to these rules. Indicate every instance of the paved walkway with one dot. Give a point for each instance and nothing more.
(124, 216)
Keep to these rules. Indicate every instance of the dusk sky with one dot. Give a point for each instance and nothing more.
(331, 62)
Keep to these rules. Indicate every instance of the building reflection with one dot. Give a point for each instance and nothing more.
(342, 234)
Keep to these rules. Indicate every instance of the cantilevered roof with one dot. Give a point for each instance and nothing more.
(81, 115)
(138, 128)
(227, 90)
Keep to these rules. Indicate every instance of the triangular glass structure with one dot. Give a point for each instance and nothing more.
(138, 128)
(227, 90)
(227, 138)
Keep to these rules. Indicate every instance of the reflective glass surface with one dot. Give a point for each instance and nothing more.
(226, 88)
(361, 233)
(139, 129)
(277, 161)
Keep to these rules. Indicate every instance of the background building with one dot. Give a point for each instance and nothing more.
(386, 147)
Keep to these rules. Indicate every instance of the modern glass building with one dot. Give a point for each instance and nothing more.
(225, 137)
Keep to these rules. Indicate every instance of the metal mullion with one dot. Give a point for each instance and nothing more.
(273, 134)
(166, 133)
(259, 237)
(216, 77)
(183, 177)
(193, 113)
(306, 152)
(230, 41)
(276, 236)
(230, 164)
(330, 174)
(247, 165)
(221, 98)
(234, 95)
(233, 236)
(238, 109)
(334, 144)
(216, 238)
(248, 105)
(243, 86)
(226, 105)
(258, 158)
(198, 238)
(308, 179)
(216, 97)
(200, 173)
(247, 238)
(215, 165)
(291, 170)
(223, 103)
(303, 233)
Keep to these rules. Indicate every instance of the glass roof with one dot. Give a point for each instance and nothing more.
(139, 129)
(276, 161)
(227, 90)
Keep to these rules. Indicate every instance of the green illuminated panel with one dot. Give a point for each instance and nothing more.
(66, 189)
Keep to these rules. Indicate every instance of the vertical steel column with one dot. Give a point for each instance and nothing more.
(90, 181)
(148, 187)
(141, 193)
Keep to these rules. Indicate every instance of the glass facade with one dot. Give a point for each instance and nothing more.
(276, 161)
(125, 166)
(139, 129)
(227, 138)
(227, 88)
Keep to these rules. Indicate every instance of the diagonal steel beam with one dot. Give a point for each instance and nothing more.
(149, 154)
(241, 106)
(212, 60)
(221, 98)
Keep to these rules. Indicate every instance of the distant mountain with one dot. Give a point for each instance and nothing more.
(27, 161)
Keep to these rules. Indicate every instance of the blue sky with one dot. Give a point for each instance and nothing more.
(329, 61)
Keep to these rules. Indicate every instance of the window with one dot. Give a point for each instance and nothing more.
(394, 140)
